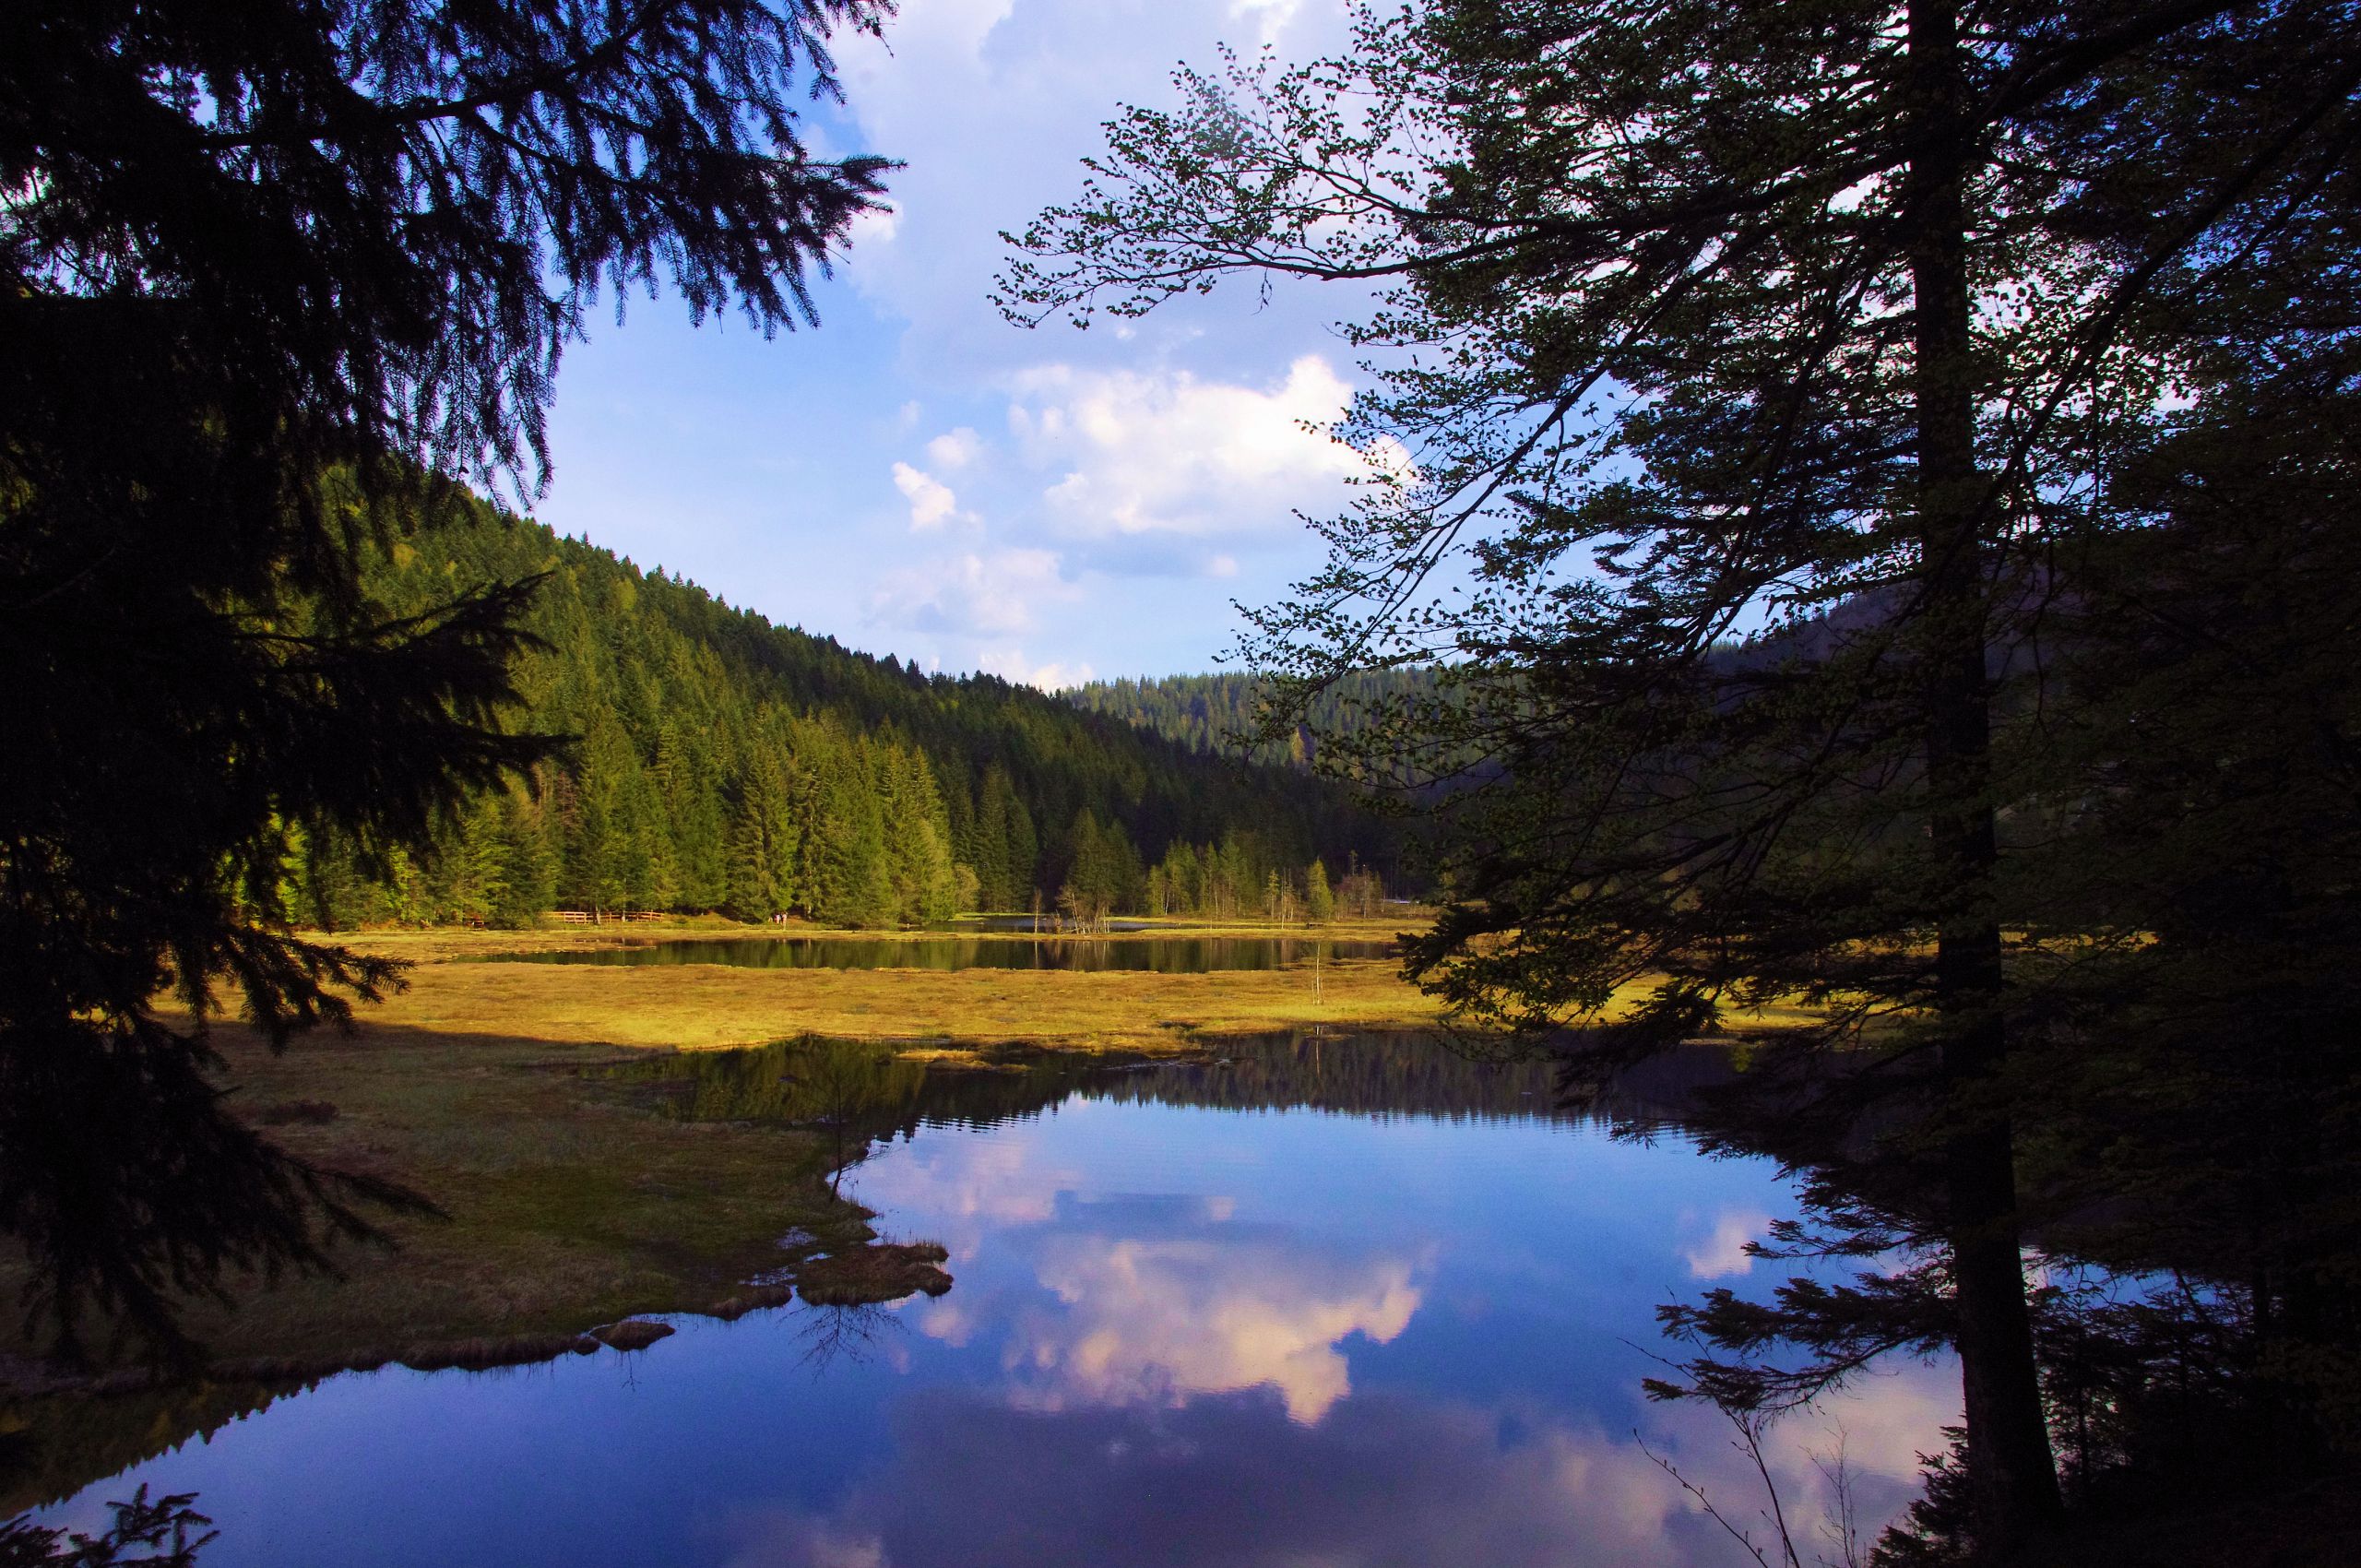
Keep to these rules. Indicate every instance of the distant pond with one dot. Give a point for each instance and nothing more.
(1321, 1299)
(1159, 955)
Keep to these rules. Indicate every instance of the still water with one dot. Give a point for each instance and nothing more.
(1326, 1301)
(1171, 954)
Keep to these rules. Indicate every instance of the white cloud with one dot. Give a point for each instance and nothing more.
(1270, 18)
(1010, 664)
(955, 448)
(976, 592)
(1722, 1255)
(873, 228)
(1158, 1322)
(1138, 453)
(968, 1185)
(932, 502)
(959, 25)
(950, 1322)
(781, 1538)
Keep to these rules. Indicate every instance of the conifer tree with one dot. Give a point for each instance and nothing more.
(269, 275)
(763, 842)
(1013, 850)
(527, 870)
(993, 876)
(1770, 370)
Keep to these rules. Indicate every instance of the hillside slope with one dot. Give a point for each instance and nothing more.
(1216, 714)
(723, 763)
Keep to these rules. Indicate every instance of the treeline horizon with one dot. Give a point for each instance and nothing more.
(719, 763)
(1222, 713)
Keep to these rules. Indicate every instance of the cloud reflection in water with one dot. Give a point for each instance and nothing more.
(1181, 1382)
(1186, 1330)
(1382, 1482)
(1160, 1321)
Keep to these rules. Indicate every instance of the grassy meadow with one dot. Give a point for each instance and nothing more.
(952, 1012)
(566, 1208)
(568, 1204)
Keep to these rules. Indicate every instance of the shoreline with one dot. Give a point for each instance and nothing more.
(492, 1089)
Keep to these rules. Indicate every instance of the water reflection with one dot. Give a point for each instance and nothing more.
(1159, 1319)
(1367, 1072)
(1333, 1300)
(1721, 1253)
(854, 1331)
(1163, 955)
(162, 1532)
(1384, 1482)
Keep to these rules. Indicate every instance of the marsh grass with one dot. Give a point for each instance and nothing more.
(569, 1203)
(695, 1006)
(566, 1208)
(945, 1015)
(439, 943)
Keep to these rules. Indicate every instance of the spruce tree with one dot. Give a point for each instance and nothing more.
(994, 879)
(271, 276)
(763, 842)
(1319, 899)
(1767, 369)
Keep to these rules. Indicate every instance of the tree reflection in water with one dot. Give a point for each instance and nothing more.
(854, 1334)
(1394, 1330)
(849, 1088)
(162, 1533)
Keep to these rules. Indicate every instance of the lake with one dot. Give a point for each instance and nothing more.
(1349, 1300)
(1162, 955)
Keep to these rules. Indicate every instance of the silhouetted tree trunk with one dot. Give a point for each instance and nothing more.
(2010, 1472)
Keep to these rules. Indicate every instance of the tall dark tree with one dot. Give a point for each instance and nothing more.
(1759, 366)
(267, 273)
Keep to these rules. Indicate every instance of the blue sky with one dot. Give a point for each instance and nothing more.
(919, 478)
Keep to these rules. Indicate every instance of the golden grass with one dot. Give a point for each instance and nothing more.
(932, 1013)
(567, 1206)
(698, 1006)
(438, 944)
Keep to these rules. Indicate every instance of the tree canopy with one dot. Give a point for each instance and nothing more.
(273, 277)
(726, 764)
(1818, 407)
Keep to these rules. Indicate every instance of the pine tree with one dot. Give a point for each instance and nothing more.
(1792, 358)
(763, 842)
(1021, 853)
(528, 873)
(253, 280)
(1319, 900)
(993, 876)
(847, 875)
(918, 838)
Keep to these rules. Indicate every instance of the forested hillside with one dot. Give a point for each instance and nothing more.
(724, 763)
(1216, 714)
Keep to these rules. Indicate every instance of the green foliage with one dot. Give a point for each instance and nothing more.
(1239, 878)
(721, 764)
(1859, 459)
(269, 275)
(1319, 899)
(1231, 714)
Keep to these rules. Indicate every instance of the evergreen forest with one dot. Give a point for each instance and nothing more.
(713, 762)
(1224, 713)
